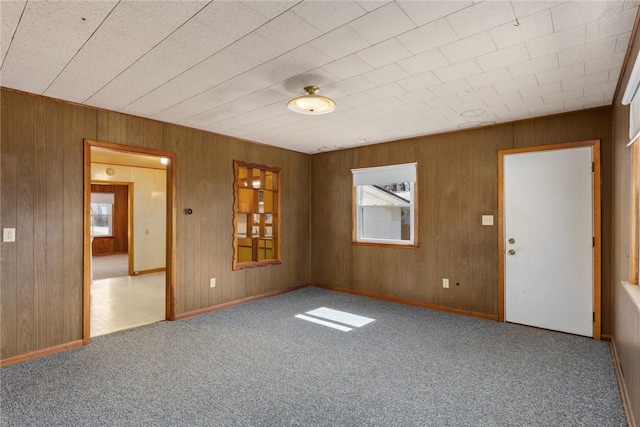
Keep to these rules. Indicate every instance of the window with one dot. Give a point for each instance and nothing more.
(631, 97)
(385, 205)
(102, 214)
(634, 229)
(256, 215)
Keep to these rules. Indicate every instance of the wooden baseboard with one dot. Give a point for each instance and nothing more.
(150, 271)
(236, 302)
(626, 400)
(110, 253)
(39, 353)
(410, 302)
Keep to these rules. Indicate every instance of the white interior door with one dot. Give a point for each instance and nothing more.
(548, 232)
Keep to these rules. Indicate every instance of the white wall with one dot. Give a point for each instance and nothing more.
(149, 211)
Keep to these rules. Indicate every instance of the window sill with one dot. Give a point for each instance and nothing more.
(385, 245)
(634, 293)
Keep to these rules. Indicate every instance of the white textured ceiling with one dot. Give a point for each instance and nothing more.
(396, 69)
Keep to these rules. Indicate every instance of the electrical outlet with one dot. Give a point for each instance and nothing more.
(212, 282)
(8, 234)
(445, 283)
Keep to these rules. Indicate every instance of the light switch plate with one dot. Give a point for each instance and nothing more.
(8, 235)
(487, 219)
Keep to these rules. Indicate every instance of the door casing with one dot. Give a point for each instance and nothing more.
(597, 243)
(171, 220)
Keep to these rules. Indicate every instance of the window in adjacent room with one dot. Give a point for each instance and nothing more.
(256, 221)
(384, 205)
(102, 214)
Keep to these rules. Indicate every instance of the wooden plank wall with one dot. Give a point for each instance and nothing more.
(457, 184)
(41, 150)
(41, 278)
(41, 195)
(626, 314)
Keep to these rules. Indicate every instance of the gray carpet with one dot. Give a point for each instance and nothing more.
(257, 365)
(107, 266)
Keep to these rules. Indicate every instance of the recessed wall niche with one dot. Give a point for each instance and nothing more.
(256, 220)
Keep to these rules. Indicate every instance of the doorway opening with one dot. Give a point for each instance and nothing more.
(129, 250)
(111, 225)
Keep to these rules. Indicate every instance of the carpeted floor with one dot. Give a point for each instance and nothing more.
(107, 266)
(258, 365)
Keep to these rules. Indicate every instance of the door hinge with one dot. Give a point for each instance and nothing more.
(594, 316)
(593, 166)
(593, 242)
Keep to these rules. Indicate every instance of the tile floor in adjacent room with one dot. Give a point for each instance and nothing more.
(125, 302)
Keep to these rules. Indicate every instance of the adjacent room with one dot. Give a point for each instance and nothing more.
(128, 234)
(320, 213)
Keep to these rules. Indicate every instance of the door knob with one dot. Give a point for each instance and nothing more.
(512, 240)
(512, 252)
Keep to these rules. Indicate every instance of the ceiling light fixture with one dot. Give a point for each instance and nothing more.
(312, 103)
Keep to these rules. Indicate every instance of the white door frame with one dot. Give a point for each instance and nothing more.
(597, 244)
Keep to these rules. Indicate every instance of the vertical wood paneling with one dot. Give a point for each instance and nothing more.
(201, 188)
(11, 126)
(42, 196)
(134, 131)
(54, 301)
(457, 175)
(24, 231)
(40, 315)
(460, 169)
(187, 235)
(153, 134)
(483, 162)
(210, 203)
(221, 206)
(41, 284)
(295, 209)
(112, 127)
(447, 211)
(626, 317)
(79, 123)
(331, 253)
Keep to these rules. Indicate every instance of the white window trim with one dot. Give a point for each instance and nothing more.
(631, 97)
(385, 175)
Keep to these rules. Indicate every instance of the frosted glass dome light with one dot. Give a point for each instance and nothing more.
(312, 103)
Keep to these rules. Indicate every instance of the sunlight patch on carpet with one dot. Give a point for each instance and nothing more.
(330, 315)
(323, 322)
